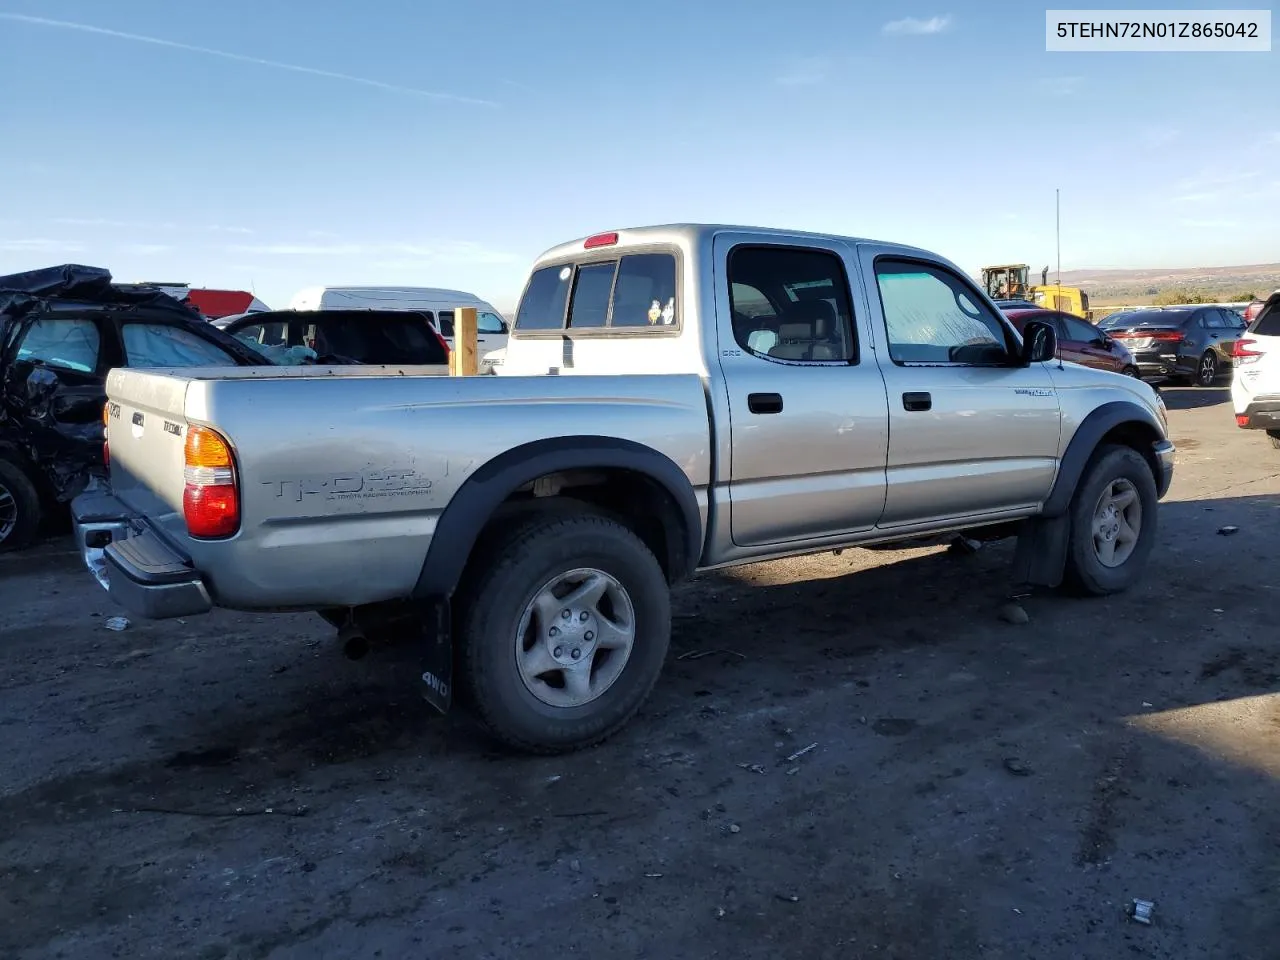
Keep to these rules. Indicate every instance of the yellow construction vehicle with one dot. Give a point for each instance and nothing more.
(1009, 282)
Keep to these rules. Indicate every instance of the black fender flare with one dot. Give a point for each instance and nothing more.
(484, 491)
(1088, 435)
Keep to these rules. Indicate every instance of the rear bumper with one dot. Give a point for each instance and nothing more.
(139, 570)
(1260, 415)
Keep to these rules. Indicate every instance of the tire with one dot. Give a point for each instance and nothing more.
(1113, 470)
(499, 616)
(1132, 372)
(1275, 438)
(20, 510)
(1206, 374)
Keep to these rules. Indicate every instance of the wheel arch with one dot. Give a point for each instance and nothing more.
(645, 487)
(1120, 422)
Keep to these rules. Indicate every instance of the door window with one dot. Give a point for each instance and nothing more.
(1080, 331)
(487, 322)
(1214, 320)
(934, 317)
(162, 345)
(791, 304)
(71, 343)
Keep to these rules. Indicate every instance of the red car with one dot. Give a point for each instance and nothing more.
(1080, 341)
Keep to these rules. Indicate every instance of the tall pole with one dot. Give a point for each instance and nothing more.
(1057, 200)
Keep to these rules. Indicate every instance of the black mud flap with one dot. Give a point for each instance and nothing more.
(437, 655)
(1041, 556)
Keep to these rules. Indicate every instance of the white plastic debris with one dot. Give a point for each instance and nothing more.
(1140, 911)
(116, 623)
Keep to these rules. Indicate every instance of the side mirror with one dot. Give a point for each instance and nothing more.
(1039, 342)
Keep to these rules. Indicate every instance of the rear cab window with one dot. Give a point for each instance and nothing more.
(627, 293)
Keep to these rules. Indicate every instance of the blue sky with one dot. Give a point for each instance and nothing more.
(429, 143)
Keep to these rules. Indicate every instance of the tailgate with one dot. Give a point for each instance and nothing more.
(146, 430)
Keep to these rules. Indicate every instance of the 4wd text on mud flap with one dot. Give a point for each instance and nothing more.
(378, 483)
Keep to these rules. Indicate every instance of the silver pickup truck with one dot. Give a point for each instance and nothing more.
(672, 399)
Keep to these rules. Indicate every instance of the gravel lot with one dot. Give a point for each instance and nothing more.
(231, 787)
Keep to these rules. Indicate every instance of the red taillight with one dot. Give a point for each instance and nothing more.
(1242, 419)
(106, 447)
(600, 240)
(1169, 337)
(1243, 352)
(444, 344)
(211, 498)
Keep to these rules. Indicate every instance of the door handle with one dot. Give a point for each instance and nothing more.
(916, 402)
(764, 402)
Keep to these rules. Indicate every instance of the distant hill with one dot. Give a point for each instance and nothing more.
(1141, 286)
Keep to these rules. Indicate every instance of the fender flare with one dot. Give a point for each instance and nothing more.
(484, 491)
(1080, 450)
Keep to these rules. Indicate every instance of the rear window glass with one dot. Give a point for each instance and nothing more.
(1267, 323)
(398, 338)
(591, 292)
(635, 291)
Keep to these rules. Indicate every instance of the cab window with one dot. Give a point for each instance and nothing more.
(636, 291)
(791, 304)
(932, 316)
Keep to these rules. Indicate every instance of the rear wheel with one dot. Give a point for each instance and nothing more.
(1113, 522)
(564, 630)
(1207, 370)
(20, 511)
(1275, 438)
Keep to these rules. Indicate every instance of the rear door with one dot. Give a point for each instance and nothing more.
(1070, 346)
(807, 410)
(971, 432)
(1093, 346)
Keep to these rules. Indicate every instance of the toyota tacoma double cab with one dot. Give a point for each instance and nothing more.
(673, 399)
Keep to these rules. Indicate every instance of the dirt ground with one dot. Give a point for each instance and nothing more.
(231, 787)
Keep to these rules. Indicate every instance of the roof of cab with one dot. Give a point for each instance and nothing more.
(689, 234)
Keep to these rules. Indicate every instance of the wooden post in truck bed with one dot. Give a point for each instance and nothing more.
(462, 359)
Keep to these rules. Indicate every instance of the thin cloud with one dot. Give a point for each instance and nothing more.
(147, 249)
(913, 27)
(114, 224)
(243, 58)
(40, 245)
(805, 73)
(1210, 224)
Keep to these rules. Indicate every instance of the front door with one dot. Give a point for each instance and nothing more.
(1089, 345)
(808, 419)
(971, 432)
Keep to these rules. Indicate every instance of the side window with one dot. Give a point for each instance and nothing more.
(263, 334)
(543, 304)
(1213, 320)
(445, 326)
(791, 303)
(67, 342)
(589, 306)
(487, 322)
(161, 345)
(932, 317)
(1080, 331)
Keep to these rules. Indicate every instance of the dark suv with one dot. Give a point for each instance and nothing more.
(61, 330)
(1191, 342)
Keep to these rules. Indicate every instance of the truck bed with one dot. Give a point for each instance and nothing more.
(348, 468)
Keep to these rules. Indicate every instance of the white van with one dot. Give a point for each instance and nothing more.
(439, 305)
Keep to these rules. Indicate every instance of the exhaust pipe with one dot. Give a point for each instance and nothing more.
(355, 645)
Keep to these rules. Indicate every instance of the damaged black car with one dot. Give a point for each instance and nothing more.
(61, 330)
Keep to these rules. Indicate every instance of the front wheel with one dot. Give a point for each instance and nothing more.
(20, 510)
(1132, 372)
(565, 627)
(1113, 522)
(1207, 370)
